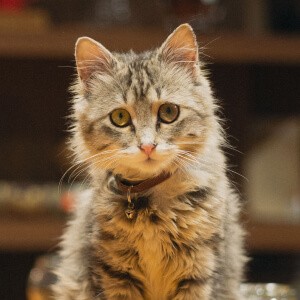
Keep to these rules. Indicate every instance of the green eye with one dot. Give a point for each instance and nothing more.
(120, 117)
(168, 112)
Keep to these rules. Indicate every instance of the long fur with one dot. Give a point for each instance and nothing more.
(185, 241)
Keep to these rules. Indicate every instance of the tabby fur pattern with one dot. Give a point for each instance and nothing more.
(184, 241)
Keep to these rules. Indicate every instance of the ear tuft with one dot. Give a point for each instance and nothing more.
(181, 47)
(90, 57)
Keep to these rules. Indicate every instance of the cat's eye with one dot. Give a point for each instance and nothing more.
(120, 117)
(168, 112)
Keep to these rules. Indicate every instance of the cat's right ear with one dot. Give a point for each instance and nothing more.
(91, 57)
(181, 48)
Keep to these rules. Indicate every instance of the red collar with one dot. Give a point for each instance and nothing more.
(140, 186)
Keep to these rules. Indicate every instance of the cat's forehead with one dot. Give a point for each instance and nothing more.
(141, 79)
(139, 75)
(135, 59)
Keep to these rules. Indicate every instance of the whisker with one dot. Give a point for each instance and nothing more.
(186, 160)
(77, 165)
(188, 156)
(182, 166)
(190, 143)
(95, 163)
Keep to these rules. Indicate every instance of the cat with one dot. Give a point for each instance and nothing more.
(161, 220)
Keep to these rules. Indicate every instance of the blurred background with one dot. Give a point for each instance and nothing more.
(252, 48)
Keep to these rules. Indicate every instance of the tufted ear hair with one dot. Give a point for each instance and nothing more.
(91, 57)
(181, 47)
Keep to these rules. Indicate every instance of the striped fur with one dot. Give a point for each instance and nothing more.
(184, 241)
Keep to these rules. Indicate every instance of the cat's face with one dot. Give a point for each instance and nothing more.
(139, 115)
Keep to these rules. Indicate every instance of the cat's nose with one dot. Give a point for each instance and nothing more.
(148, 148)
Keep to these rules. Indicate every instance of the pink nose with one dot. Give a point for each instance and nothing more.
(147, 148)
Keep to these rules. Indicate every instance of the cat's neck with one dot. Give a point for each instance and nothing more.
(167, 183)
(128, 186)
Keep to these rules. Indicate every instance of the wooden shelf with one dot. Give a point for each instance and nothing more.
(42, 234)
(58, 43)
(30, 233)
(274, 237)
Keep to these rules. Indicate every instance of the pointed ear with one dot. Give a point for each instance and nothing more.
(90, 57)
(181, 47)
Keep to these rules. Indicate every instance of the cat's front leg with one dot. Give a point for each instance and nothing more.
(117, 285)
(192, 289)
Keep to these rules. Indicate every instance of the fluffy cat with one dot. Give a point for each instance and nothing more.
(160, 220)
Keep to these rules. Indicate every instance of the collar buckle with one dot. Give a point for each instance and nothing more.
(135, 188)
(130, 211)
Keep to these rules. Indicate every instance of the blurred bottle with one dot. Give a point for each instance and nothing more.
(41, 278)
(268, 291)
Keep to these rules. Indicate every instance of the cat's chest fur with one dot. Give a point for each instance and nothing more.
(160, 244)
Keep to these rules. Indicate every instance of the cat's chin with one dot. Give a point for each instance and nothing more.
(144, 169)
(150, 165)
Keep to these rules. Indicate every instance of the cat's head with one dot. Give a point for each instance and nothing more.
(141, 114)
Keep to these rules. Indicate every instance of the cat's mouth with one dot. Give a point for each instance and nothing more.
(150, 160)
(145, 163)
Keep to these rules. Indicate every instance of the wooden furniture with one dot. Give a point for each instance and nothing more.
(225, 47)
(43, 234)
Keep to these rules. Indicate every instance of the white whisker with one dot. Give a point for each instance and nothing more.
(84, 163)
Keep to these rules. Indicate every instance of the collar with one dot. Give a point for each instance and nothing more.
(134, 187)
(127, 186)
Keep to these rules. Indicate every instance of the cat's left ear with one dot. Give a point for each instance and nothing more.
(181, 47)
(91, 57)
